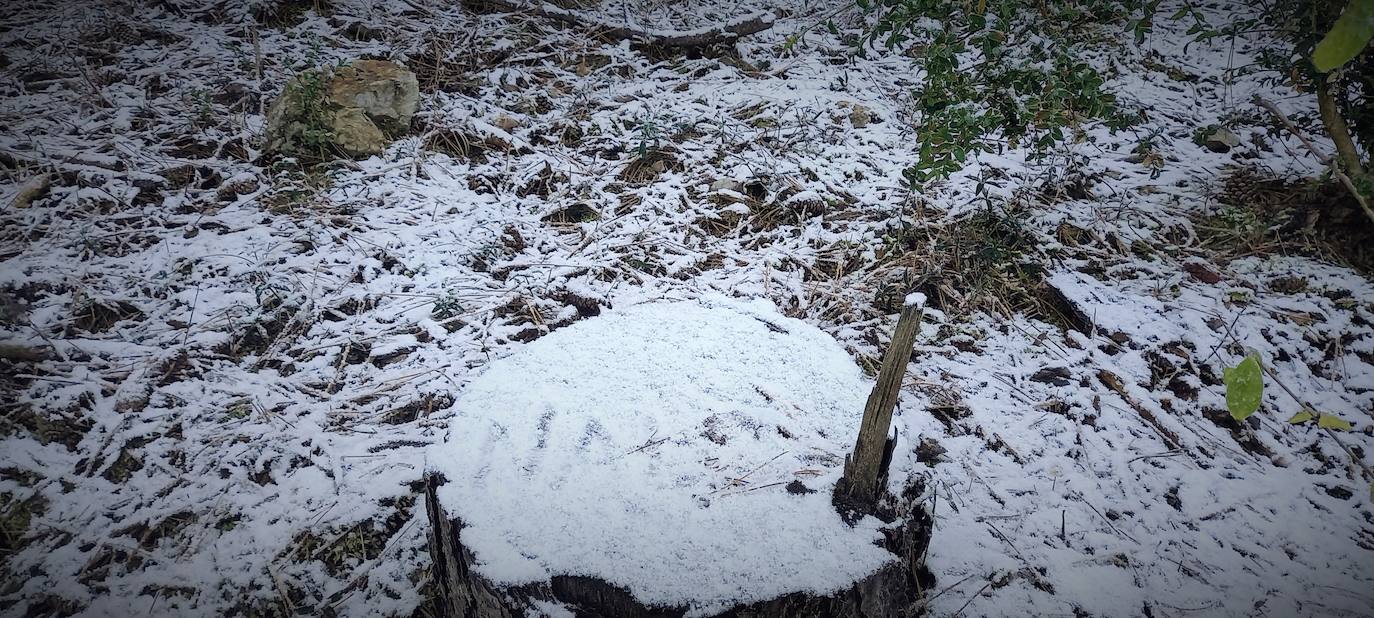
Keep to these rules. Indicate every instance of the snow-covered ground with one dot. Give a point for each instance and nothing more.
(248, 364)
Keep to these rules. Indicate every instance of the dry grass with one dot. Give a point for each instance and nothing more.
(1263, 216)
(987, 262)
(16, 515)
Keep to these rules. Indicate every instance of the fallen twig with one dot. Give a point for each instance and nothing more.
(1112, 381)
(961, 609)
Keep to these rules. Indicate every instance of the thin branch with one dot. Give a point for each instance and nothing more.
(757, 22)
(1324, 158)
(1355, 462)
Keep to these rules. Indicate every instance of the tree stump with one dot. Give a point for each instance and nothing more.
(894, 590)
(663, 460)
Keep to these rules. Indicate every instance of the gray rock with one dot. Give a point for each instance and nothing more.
(727, 184)
(1221, 140)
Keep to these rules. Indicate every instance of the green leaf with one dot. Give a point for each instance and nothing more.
(1331, 421)
(1302, 417)
(1347, 38)
(1244, 387)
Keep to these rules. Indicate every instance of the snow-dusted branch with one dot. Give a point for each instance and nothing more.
(1335, 163)
(711, 35)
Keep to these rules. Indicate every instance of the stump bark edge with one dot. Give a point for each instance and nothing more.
(896, 590)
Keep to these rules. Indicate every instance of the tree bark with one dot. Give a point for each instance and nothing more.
(896, 590)
(1346, 154)
(462, 593)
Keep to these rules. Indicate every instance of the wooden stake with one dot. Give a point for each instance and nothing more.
(864, 469)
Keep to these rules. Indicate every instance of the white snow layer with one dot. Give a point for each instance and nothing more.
(649, 448)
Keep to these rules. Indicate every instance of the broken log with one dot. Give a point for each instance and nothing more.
(22, 353)
(664, 459)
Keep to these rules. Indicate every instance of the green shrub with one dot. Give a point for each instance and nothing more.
(997, 75)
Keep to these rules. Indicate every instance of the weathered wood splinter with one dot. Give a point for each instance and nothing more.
(865, 470)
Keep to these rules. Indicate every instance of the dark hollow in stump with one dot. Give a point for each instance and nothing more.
(894, 590)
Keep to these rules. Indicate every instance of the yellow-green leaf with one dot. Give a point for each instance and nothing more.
(1331, 421)
(1244, 387)
(1302, 417)
(1347, 38)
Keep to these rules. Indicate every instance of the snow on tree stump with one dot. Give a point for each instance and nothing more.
(669, 459)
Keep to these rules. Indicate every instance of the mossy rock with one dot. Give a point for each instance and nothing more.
(354, 110)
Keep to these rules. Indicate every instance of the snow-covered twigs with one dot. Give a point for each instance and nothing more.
(710, 35)
(1356, 463)
(1112, 381)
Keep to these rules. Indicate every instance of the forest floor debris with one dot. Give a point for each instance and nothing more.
(246, 358)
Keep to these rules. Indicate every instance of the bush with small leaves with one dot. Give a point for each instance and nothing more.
(998, 74)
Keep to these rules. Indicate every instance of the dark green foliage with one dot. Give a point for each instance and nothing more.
(998, 74)
(308, 90)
